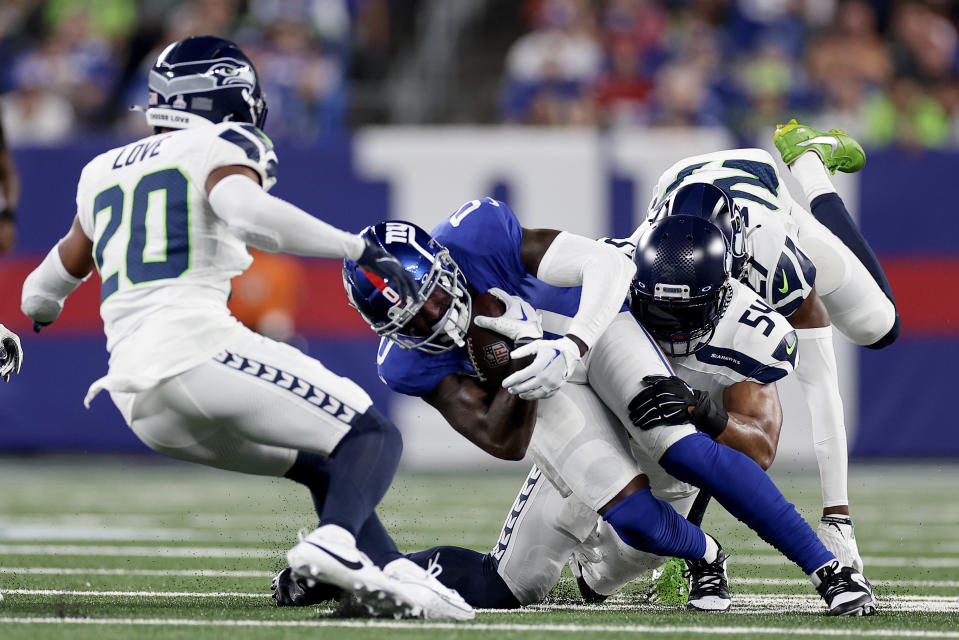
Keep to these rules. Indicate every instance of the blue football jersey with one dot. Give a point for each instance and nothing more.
(484, 239)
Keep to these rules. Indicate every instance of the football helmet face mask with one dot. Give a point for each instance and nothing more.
(680, 289)
(441, 282)
(204, 79)
(712, 203)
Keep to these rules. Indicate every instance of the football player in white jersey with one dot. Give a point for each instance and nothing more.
(742, 191)
(166, 221)
(11, 353)
(728, 344)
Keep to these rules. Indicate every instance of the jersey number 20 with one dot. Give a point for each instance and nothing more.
(176, 255)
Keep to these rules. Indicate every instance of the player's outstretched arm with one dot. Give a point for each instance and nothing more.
(497, 422)
(66, 266)
(276, 226)
(564, 259)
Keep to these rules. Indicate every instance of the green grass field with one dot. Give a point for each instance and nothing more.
(122, 548)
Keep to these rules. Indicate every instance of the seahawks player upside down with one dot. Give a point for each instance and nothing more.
(490, 250)
(816, 269)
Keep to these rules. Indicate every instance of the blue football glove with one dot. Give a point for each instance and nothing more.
(376, 260)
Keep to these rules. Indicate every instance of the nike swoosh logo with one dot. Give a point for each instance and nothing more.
(789, 351)
(521, 310)
(785, 286)
(349, 564)
(832, 142)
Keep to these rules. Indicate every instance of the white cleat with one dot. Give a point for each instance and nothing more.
(838, 534)
(329, 554)
(437, 600)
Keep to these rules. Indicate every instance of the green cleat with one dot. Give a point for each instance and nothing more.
(837, 149)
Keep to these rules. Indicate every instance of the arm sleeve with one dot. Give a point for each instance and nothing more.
(47, 287)
(274, 225)
(602, 271)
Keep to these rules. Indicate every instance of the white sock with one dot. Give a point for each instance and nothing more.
(712, 549)
(814, 578)
(812, 175)
(818, 376)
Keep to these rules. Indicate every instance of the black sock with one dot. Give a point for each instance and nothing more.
(472, 574)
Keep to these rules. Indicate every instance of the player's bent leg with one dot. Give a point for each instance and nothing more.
(859, 305)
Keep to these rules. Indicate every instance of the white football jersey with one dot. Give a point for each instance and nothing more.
(165, 259)
(752, 342)
(777, 269)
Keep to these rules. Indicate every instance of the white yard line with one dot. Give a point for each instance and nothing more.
(742, 603)
(168, 552)
(252, 552)
(193, 573)
(222, 573)
(509, 627)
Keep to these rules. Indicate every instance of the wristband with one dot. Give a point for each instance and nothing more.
(708, 416)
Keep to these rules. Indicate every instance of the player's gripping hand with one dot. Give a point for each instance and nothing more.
(11, 353)
(520, 322)
(553, 362)
(668, 400)
(376, 260)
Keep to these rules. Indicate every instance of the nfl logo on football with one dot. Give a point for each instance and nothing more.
(496, 354)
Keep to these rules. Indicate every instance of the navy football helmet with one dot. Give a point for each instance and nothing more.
(204, 79)
(680, 289)
(430, 264)
(712, 203)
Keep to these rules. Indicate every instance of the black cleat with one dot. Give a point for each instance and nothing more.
(845, 590)
(708, 584)
(290, 592)
(589, 596)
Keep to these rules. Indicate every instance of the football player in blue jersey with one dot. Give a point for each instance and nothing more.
(11, 353)
(482, 246)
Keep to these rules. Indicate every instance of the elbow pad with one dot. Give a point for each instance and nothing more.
(46, 289)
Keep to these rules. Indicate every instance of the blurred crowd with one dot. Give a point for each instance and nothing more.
(77, 65)
(884, 70)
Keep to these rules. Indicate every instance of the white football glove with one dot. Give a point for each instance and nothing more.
(838, 534)
(520, 322)
(553, 363)
(11, 353)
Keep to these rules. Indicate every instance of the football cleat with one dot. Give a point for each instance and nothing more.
(838, 534)
(708, 584)
(845, 590)
(436, 599)
(291, 592)
(589, 596)
(329, 555)
(837, 149)
(669, 585)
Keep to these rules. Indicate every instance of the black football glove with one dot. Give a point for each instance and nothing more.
(376, 260)
(668, 400)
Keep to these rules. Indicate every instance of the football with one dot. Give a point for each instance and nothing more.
(489, 351)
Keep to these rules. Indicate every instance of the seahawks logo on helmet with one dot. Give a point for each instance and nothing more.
(204, 79)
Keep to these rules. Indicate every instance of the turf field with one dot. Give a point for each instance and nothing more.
(124, 548)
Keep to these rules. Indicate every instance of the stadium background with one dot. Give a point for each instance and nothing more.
(566, 109)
